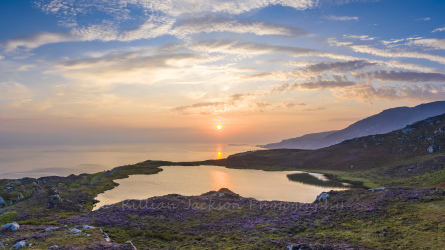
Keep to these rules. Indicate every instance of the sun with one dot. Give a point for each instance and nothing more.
(219, 126)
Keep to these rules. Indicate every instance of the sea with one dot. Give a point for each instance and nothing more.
(38, 161)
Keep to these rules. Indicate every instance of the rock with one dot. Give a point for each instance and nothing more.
(20, 197)
(14, 226)
(323, 196)
(75, 230)
(49, 229)
(430, 150)
(87, 227)
(129, 245)
(53, 247)
(19, 245)
(106, 237)
(38, 190)
(2, 202)
(1, 245)
(407, 130)
(377, 189)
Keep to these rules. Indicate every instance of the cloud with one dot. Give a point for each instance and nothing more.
(340, 66)
(341, 18)
(366, 49)
(233, 102)
(363, 37)
(139, 67)
(423, 19)
(315, 109)
(209, 25)
(29, 105)
(13, 91)
(402, 76)
(312, 85)
(36, 40)
(439, 29)
(288, 105)
(431, 43)
(152, 28)
(368, 93)
(253, 49)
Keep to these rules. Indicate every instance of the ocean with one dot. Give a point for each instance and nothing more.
(37, 161)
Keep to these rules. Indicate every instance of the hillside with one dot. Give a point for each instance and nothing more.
(415, 143)
(384, 122)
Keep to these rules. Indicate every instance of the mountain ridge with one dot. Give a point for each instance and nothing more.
(384, 122)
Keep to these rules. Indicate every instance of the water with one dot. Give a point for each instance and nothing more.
(18, 162)
(196, 180)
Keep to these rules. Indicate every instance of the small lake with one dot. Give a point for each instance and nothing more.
(196, 180)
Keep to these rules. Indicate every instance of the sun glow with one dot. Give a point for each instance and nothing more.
(219, 126)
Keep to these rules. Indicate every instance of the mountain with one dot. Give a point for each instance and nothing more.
(413, 145)
(384, 122)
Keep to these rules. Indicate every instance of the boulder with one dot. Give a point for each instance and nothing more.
(2, 202)
(53, 247)
(129, 245)
(14, 226)
(323, 196)
(20, 197)
(75, 230)
(19, 245)
(49, 229)
(430, 150)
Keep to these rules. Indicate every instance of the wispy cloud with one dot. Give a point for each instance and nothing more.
(209, 25)
(368, 93)
(340, 66)
(362, 37)
(439, 29)
(251, 48)
(154, 27)
(431, 43)
(341, 18)
(13, 91)
(402, 76)
(389, 53)
(36, 40)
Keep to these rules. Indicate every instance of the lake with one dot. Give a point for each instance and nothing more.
(38, 161)
(196, 180)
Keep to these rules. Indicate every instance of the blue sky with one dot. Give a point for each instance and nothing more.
(78, 71)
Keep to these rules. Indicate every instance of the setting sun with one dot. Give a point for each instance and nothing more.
(219, 126)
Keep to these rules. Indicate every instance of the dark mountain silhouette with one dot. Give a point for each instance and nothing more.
(384, 122)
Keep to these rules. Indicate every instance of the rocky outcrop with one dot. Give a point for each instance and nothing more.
(2, 202)
(430, 150)
(19, 245)
(323, 196)
(12, 227)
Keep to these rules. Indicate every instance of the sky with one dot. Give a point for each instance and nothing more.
(142, 71)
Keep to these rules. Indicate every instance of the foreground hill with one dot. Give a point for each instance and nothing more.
(420, 139)
(384, 122)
